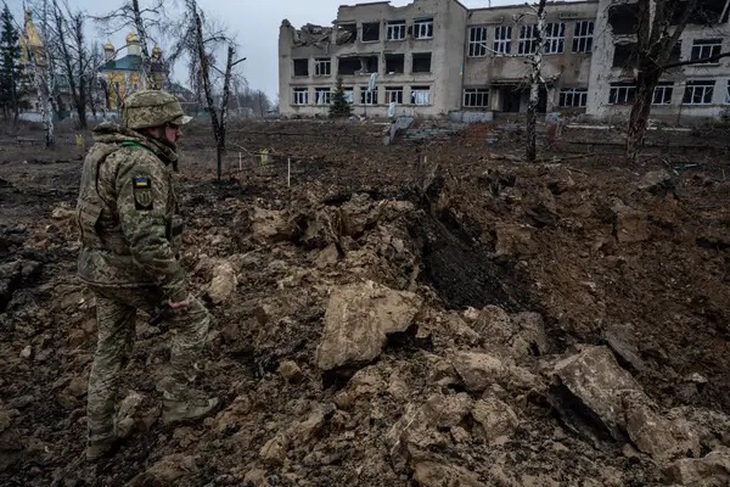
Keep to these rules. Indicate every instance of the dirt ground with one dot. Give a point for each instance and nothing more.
(601, 255)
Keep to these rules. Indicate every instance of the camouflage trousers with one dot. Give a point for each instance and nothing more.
(116, 310)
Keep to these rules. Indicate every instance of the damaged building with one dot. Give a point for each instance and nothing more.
(434, 57)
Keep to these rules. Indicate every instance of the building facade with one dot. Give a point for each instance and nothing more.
(433, 57)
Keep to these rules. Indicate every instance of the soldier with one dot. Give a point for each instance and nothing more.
(130, 234)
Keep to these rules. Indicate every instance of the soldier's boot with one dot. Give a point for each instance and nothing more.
(102, 443)
(102, 448)
(194, 406)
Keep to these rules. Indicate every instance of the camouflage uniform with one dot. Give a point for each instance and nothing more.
(130, 233)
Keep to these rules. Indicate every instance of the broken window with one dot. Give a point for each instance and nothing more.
(705, 48)
(345, 33)
(301, 67)
(357, 65)
(583, 36)
(421, 62)
(624, 19)
(477, 41)
(727, 93)
(300, 96)
(622, 93)
(369, 64)
(624, 56)
(396, 30)
(348, 65)
(394, 63)
(699, 92)
(370, 31)
(708, 12)
(322, 66)
(663, 93)
(420, 95)
(554, 38)
(423, 29)
(368, 97)
(322, 96)
(394, 94)
(349, 93)
(573, 97)
(527, 39)
(503, 39)
(476, 97)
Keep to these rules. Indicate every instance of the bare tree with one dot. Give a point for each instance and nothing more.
(536, 81)
(534, 59)
(73, 54)
(43, 65)
(218, 114)
(660, 25)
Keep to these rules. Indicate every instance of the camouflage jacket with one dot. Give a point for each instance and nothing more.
(127, 214)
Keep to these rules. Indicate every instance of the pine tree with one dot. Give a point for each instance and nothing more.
(340, 107)
(11, 69)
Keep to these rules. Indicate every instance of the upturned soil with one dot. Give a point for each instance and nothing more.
(634, 257)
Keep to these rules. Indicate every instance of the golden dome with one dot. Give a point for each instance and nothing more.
(156, 51)
(132, 38)
(109, 46)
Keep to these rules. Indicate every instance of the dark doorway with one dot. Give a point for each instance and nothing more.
(511, 99)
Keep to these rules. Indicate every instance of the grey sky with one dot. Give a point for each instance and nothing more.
(255, 23)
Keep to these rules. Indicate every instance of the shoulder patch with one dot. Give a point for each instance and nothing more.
(142, 189)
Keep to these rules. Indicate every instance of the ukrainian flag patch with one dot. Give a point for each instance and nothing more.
(142, 182)
(142, 190)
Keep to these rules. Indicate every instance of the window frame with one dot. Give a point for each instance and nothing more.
(323, 61)
(666, 88)
(699, 45)
(475, 94)
(299, 90)
(322, 91)
(554, 43)
(368, 98)
(395, 26)
(524, 42)
(415, 90)
(477, 47)
(421, 25)
(583, 37)
(394, 90)
(502, 39)
(628, 90)
(692, 87)
(573, 94)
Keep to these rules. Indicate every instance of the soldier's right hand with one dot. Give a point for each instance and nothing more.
(179, 304)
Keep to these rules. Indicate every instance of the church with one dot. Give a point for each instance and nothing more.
(124, 75)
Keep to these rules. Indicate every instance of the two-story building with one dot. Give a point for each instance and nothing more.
(433, 57)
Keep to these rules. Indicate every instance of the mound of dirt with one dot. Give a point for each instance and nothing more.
(484, 323)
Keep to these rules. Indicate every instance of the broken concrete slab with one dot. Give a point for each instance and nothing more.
(602, 401)
(357, 321)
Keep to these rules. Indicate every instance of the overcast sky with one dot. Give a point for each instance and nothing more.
(255, 24)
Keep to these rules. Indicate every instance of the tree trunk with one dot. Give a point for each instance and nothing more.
(639, 118)
(535, 80)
